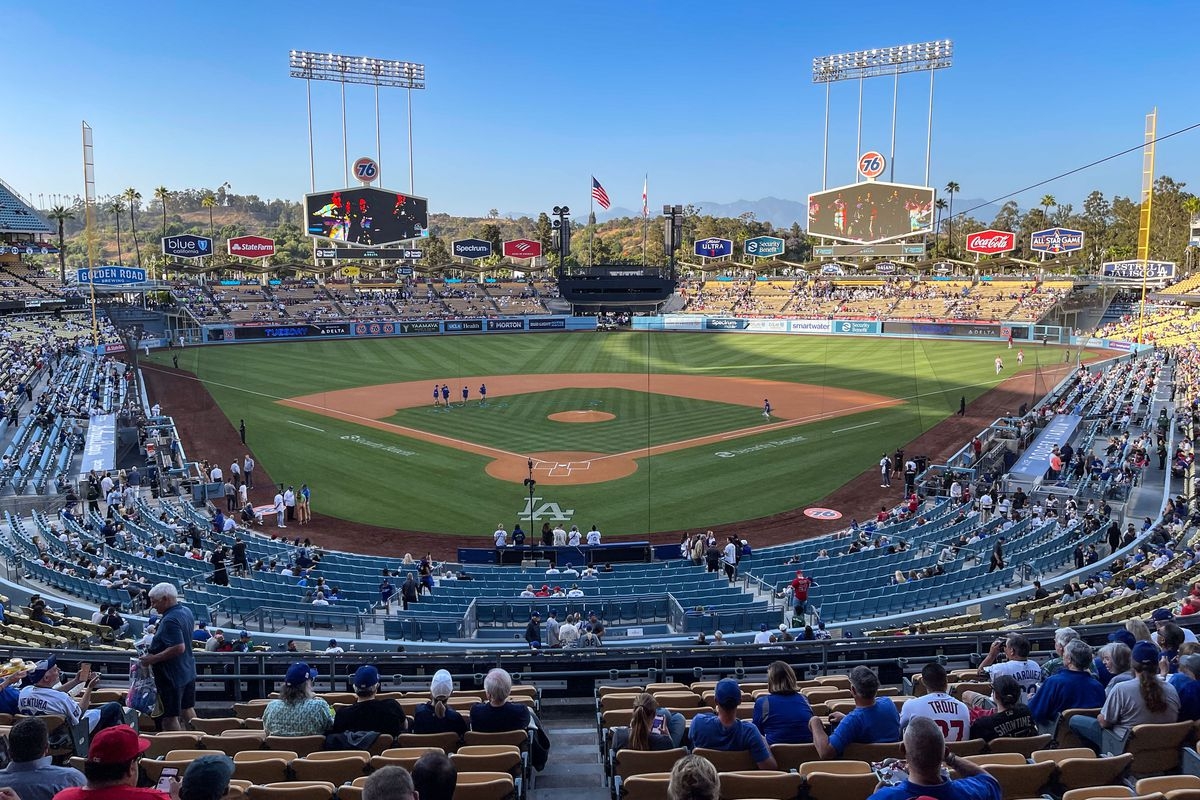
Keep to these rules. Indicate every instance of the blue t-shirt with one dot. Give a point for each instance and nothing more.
(977, 787)
(1189, 698)
(10, 694)
(707, 731)
(783, 718)
(174, 628)
(1066, 689)
(868, 725)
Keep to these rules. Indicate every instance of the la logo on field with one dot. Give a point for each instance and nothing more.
(551, 511)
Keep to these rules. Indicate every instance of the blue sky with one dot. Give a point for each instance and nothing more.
(525, 100)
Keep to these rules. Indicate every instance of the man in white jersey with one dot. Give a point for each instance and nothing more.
(1015, 647)
(949, 713)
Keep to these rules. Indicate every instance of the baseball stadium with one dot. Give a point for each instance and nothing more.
(877, 464)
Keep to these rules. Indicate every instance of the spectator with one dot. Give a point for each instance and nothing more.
(1015, 649)
(1188, 686)
(724, 731)
(112, 769)
(1144, 700)
(782, 715)
(435, 776)
(1002, 714)
(207, 778)
(435, 716)
(370, 713)
(297, 712)
(874, 719)
(170, 658)
(1160, 618)
(1115, 660)
(498, 713)
(950, 713)
(1061, 637)
(650, 727)
(1073, 687)
(43, 694)
(533, 631)
(694, 778)
(30, 773)
(389, 783)
(925, 750)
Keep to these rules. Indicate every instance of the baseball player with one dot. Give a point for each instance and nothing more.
(767, 408)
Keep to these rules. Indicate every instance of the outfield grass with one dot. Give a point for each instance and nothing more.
(391, 480)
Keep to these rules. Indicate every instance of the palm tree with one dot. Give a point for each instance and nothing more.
(61, 214)
(210, 202)
(951, 188)
(115, 208)
(161, 194)
(1047, 202)
(132, 196)
(940, 205)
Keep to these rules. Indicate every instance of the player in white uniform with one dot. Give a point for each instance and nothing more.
(1028, 674)
(951, 714)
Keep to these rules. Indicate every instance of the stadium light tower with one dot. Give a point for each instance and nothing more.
(375, 72)
(862, 64)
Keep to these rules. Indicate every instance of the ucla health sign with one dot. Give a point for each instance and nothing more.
(111, 276)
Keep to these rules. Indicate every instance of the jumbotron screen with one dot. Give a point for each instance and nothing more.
(870, 212)
(367, 217)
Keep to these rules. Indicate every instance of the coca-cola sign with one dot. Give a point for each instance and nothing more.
(990, 242)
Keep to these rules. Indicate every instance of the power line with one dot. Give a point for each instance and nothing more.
(1079, 169)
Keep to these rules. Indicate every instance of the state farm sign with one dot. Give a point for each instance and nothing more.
(990, 242)
(522, 248)
(251, 247)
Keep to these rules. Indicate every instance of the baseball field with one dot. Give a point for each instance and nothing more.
(633, 432)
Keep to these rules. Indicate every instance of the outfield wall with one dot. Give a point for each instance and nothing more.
(262, 331)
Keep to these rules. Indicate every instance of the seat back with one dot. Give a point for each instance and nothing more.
(292, 790)
(301, 745)
(1097, 792)
(1021, 780)
(764, 784)
(872, 752)
(163, 743)
(794, 756)
(1062, 727)
(1167, 783)
(652, 786)
(989, 759)
(627, 763)
(835, 767)
(519, 738)
(1155, 748)
(967, 747)
(231, 745)
(1078, 773)
(484, 786)
(728, 760)
(215, 725)
(338, 770)
(446, 742)
(1025, 745)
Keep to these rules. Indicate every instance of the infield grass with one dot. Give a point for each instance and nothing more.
(383, 478)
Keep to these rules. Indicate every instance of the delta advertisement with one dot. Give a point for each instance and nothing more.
(967, 329)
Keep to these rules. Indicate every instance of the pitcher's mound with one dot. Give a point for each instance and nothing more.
(581, 416)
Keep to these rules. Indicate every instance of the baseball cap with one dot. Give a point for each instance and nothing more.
(1162, 615)
(442, 684)
(1145, 653)
(39, 670)
(207, 778)
(116, 745)
(244, 634)
(1124, 637)
(728, 692)
(298, 673)
(366, 675)
(782, 626)
(762, 627)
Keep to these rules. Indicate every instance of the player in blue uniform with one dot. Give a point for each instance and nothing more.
(482, 393)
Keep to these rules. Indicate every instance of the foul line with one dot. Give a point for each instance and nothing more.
(302, 425)
(854, 427)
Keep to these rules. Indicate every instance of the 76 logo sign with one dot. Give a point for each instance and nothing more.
(365, 169)
(871, 164)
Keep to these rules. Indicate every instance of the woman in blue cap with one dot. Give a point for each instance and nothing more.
(297, 712)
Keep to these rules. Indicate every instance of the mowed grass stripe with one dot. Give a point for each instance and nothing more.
(520, 423)
(443, 489)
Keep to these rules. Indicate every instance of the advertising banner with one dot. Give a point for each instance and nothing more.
(1056, 240)
(714, 247)
(763, 246)
(506, 324)
(460, 325)
(551, 323)
(809, 326)
(991, 242)
(110, 276)
(420, 326)
(251, 247)
(860, 327)
(1132, 268)
(942, 329)
(725, 324)
(187, 245)
(376, 329)
(243, 332)
(776, 325)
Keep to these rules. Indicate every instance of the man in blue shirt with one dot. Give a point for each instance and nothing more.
(1073, 687)
(170, 658)
(30, 774)
(925, 750)
(872, 720)
(724, 731)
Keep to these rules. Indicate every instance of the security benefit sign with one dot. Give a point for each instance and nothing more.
(1133, 268)
(111, 276)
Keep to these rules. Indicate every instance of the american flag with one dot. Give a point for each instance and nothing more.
(599, 195)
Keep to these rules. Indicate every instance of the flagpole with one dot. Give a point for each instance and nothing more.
(645, 215)
(591, 222)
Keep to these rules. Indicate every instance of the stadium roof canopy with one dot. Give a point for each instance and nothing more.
(17, 216)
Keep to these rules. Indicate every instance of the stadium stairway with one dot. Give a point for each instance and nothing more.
(574, 765)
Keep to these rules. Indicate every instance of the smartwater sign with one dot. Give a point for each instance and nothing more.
(111, 276)
(763, 246)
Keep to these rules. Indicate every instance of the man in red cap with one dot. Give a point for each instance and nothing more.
(112, 769)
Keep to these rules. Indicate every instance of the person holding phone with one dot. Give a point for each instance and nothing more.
(650, 728)
(111, 769)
